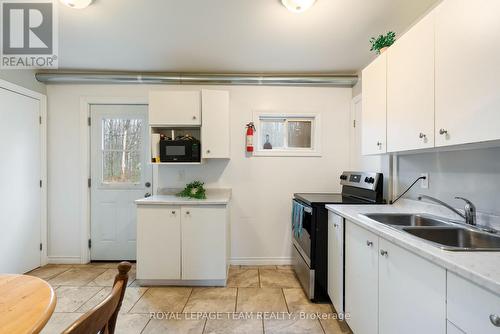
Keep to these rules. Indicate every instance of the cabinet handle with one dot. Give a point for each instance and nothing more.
(384, 253)
(422, 135)
(369, 243)
(173, 212)
(208, 151)
(443, 131)
(188, 213)
(335, 225)
(495, 320)
(194, 117)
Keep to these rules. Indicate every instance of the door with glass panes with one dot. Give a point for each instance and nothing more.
(120, 174)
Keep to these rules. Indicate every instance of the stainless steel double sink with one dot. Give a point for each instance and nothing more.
(442, 233)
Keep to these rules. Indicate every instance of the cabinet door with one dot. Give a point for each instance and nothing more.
(204, 239)
(215, 125)
(336, 261)
(158, 242)
(471, 307)
(412, 293)
(467, 71)
(174, 108)
(361, 279)
(452, 329)
(374, 115)
(410, 89)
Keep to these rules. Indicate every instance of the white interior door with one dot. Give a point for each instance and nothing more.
(20, 174)
(357, 161)
(120, 174)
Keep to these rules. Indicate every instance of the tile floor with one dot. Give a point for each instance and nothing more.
(249, 289)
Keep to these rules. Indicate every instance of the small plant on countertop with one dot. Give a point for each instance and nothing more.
(382, 42)
(194, 190)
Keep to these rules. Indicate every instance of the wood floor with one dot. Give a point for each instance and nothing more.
(237, 308)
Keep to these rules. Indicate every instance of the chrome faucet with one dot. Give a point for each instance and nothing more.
(470, 209)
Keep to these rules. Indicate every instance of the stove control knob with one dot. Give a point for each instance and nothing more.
(343, 177)
(371, 180)
(367, 179)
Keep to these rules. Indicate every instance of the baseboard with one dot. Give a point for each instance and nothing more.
(169, 282)
(261, 261)
(64, 260)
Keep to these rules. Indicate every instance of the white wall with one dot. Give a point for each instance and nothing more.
(24, 78)
(262, 186)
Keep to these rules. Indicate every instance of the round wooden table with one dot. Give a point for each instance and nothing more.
(26, 304)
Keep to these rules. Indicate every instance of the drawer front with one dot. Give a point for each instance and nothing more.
(470, 307)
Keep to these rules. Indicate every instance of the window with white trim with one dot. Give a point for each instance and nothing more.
(286, 134)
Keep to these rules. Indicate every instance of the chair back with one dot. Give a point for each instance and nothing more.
(102, 318)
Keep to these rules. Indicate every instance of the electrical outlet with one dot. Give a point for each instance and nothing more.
(424, 184)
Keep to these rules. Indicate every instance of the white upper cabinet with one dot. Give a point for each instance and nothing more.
(174, 108)
(215, 125)
(467, 71)
(410, 89)
(374, 116)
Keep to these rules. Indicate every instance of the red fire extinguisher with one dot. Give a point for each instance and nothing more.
(249, 136)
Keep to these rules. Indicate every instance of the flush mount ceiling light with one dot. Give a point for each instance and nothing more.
(298, 6)
(78, 4)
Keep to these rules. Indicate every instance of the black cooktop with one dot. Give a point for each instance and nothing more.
(327, 198)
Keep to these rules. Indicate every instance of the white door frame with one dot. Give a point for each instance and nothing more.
(43, 159)
(85, 105)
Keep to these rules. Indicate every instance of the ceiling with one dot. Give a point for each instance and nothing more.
(228, 35)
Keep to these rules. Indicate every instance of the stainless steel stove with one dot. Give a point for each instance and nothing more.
(310, 227)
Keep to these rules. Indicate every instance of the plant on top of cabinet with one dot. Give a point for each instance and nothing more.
(382, 42)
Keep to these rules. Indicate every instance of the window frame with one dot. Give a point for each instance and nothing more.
(314, 151)
(101, 151)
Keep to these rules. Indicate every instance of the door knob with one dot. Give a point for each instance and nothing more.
(495, 320)
(146, 195)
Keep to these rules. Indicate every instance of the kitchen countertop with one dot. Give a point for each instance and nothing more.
(214, 197)
(482, 268)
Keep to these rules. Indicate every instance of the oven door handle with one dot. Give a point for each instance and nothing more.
(308, 210)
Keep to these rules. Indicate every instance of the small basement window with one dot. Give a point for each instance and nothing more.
(286, 134)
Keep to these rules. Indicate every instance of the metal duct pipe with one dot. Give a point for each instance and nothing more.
(196, 79)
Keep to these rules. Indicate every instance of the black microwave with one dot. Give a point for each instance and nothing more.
(180, 150)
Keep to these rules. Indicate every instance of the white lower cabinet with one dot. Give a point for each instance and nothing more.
(471, 308)
(389, 290)
(182, 243)
(412, 292)
(159, 242)
(336, 261)
(204, 254)
(361, 279)
(452, 329)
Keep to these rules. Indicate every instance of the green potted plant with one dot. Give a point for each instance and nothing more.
(194, 190)
(382, 43)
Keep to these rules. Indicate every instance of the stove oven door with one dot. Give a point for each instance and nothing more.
(302, 253)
